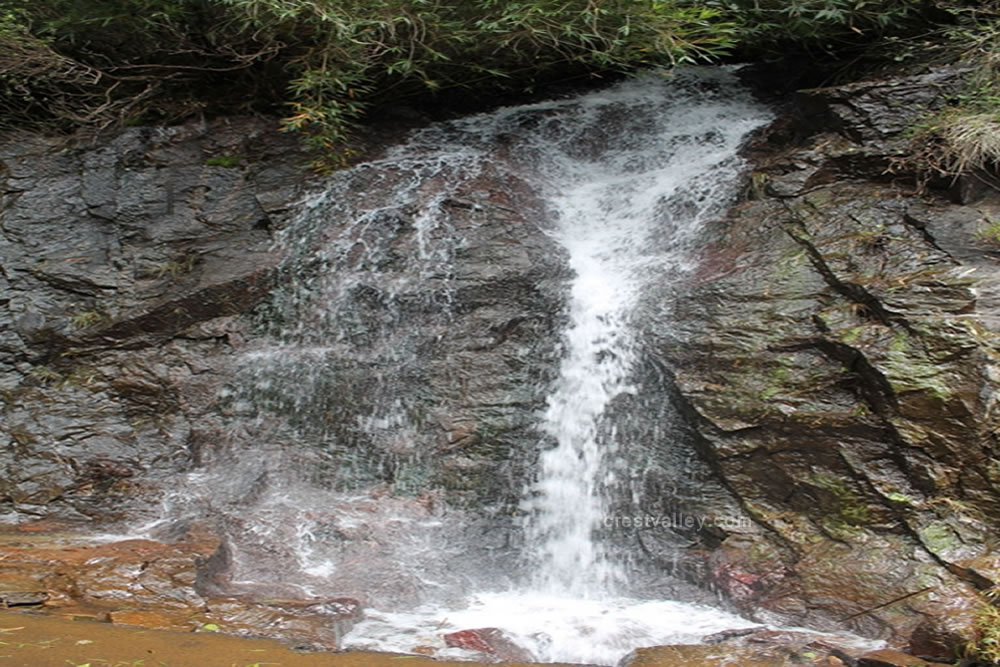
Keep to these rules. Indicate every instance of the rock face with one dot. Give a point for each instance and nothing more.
(125, 262)
(145, 298)
(836, 354)
(834, 358)
(489, 641)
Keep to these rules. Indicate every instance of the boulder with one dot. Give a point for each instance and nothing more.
(720, 656)
(890, 658)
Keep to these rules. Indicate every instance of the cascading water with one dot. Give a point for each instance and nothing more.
(335, 402)
(625, 214)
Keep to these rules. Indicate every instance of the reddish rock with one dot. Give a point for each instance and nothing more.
(151, 584)
(491, 641)
(319, 623)
(890, 658)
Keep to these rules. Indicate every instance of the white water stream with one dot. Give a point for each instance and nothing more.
(626, 216)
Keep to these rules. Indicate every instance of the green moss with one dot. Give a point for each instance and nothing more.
(990, 233)
(852, 335)
(900, 498)
(770, 393)
(938, 537)
(848, 509)
(775, 380)
(907, 369)
(790, 268)
(898, 344)
(227, 161)
(840, 529)
(819, 198)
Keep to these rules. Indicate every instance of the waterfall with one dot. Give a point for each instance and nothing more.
(328, 478)
(626, 213)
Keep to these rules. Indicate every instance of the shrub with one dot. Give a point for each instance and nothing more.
(986, 646)
(819, 28)
(964, 136)
(101, 61)
(67, 63)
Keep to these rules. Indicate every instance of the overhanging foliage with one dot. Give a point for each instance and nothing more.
(324, 62)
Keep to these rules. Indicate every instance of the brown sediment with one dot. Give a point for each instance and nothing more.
(34, 640)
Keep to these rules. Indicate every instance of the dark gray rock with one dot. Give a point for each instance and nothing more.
(114, 250)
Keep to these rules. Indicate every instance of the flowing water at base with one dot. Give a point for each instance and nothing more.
(551, 628)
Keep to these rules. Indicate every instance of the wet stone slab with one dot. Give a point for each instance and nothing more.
(151, 584)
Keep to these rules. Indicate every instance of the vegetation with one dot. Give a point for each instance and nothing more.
(227, 161)
(88, 319)
(964, 137)
(776, 29)
(96, 62)
(72, 63)
(986, 646)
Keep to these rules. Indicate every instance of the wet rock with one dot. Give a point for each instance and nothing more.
(728, 635)
(403, 358)
(316, 623)
(874, 110)
(948, 626)
(115, 248)
(801, 645)
(836, 356)
(717, 656)
(153, 584)
(22, 598)
(890, 658)
(490, 641)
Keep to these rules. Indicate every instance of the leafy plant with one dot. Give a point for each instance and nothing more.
(348, 54)
(324, 64)
(991, 233)
(773, 27)
(96, 62)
